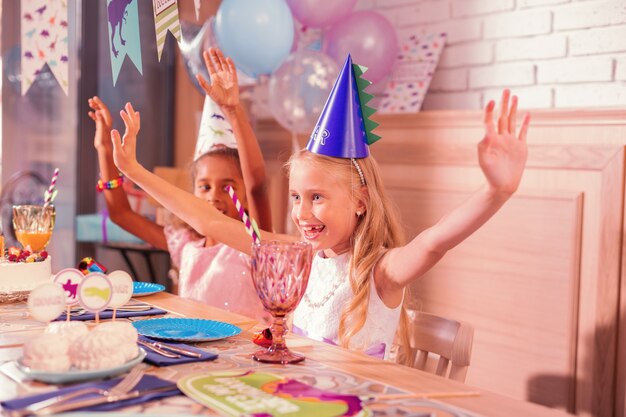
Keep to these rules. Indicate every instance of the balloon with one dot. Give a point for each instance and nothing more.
(257, 35)
(299, 87)
(194, 41)
(371, 40)
(316, 14)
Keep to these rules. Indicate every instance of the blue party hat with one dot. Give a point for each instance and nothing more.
(344, 129)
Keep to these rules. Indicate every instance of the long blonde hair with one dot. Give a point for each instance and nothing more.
(377, 231)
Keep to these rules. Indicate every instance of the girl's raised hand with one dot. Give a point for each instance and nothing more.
(223, 88)
(125, 150)
(100, 114)
(502, 152)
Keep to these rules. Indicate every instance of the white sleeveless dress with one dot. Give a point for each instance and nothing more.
(317, 316)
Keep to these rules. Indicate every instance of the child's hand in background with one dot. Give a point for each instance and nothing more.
(101, 115)
(223, 87)
(502, 153)
(125, 151)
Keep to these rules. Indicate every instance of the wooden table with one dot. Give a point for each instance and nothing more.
(361, 370)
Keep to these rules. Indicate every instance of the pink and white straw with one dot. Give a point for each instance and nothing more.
(50, 192)
(244, 217)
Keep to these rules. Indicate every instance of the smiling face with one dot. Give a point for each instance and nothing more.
(324, 208)
(212, 174)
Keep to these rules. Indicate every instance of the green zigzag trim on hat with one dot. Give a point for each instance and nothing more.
(364, 98)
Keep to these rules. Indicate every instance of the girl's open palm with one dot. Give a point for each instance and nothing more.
(502, 153)
(125, 149)
(223, 87)
(100, 114)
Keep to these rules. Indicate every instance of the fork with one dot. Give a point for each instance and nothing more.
(125, 385)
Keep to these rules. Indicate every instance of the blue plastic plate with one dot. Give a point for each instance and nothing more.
(186, 329)
(74, 375)
(146, 288)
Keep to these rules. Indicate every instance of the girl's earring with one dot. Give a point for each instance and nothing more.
(358, 214)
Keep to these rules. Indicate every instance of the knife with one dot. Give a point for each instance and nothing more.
(65, 406)
(182, 351)
(157, 349)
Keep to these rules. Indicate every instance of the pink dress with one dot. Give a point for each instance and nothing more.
(216, 275)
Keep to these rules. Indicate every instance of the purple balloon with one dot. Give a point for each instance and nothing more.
(316, 14)
(371, 40)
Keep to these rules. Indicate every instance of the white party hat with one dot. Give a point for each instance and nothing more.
(214, 129)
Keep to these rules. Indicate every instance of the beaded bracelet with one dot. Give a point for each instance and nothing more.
(110, 185)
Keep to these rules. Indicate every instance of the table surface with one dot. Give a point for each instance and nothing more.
(325, 366)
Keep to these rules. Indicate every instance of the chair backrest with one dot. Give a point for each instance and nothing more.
(450, 339)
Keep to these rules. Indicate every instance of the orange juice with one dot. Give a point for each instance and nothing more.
(36, 240)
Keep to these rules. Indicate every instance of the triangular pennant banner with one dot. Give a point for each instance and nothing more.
(123, 17)
(165, 19)
(44, 40)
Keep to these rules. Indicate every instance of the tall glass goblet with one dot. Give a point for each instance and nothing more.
(280, 272)
(33, 225)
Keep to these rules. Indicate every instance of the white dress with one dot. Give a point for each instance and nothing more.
(317, 316)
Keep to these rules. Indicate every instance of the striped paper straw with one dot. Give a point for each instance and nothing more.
(51, 188)
(256, 236)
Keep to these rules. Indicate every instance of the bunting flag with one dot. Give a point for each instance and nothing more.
(196, 4)
(44, 40)
(165, 19)
(123, 17)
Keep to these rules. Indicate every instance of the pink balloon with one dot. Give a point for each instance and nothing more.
(371, 40)
(316, 14)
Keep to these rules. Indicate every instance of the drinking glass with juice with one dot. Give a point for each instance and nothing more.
(33, 225)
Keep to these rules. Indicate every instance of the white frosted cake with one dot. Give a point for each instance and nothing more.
(23, 276)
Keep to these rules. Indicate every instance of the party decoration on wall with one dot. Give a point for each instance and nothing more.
(214, 129)
(417, 60)
(123, 17)
(369, 37)
(196, 5)
(165, 19)
(195, 40)
(344, 129)
(257, 35)
(311, 14)
(46, 302)
(44, 39)
(299, 87)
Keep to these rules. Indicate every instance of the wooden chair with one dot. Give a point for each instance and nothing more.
(430, 334)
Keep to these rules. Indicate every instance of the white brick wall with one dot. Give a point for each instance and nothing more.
(552, 53)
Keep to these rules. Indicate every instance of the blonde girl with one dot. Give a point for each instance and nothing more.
(361, 268)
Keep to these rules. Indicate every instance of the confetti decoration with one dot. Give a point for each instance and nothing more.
(44, 39)
(417, 59)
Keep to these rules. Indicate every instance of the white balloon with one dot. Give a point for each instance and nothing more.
(299, 87)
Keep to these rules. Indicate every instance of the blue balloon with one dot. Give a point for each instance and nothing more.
(257, 35)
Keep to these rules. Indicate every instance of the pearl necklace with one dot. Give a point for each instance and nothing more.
(323, 301)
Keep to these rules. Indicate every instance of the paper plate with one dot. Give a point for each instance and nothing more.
(74, 375)
(146, 288)
(186, 329)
